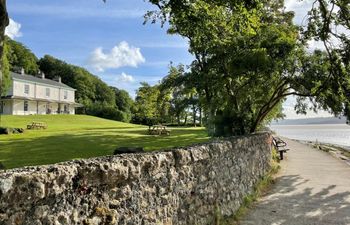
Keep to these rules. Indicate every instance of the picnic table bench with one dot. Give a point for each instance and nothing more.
(36, 125)
(280, 146)
(158, 130)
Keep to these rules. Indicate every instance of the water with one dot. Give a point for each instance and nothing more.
(337, 134)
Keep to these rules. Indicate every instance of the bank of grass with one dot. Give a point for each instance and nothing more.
(337, 150)
(263, 185)
(79, 136)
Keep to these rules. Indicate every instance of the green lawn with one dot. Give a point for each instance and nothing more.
(77, 136)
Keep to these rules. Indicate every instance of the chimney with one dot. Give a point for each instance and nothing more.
(59, 79)
(22, 71)
(42, 75)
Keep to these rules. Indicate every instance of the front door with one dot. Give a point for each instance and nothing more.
(66, 109)
(2, 107)
(48, 108)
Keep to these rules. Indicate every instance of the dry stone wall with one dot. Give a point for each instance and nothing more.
(182, 186)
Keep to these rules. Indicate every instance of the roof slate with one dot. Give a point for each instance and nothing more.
(30, 78)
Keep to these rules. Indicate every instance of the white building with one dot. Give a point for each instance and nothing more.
(29, 95)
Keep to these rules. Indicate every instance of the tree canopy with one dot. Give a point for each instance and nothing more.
(249, 56)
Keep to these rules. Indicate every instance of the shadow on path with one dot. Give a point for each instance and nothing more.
(289, 205)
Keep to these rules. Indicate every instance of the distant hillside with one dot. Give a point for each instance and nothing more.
(311, 121)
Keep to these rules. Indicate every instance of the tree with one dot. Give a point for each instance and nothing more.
(226, 41)
(146, 104)
(19, 56)
(248, 59)
(329, 23)
(4, 67)
(124, 103)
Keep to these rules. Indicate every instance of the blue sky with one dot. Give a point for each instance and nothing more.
(73, 30)
(109, 39)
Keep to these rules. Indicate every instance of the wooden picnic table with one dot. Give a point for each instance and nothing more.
(36, 125)
(158, 130)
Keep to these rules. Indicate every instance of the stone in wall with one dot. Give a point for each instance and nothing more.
(181, 186)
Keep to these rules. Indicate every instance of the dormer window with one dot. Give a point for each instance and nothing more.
(47, 92)
(26, 89)
(65, 94)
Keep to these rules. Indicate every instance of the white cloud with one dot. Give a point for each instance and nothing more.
(119, 56)
(125, 78)
(13, 29)
(301, 8)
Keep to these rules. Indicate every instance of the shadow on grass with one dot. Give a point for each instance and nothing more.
(66, 146)
(286, 205)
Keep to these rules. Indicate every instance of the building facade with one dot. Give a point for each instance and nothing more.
(29, 95)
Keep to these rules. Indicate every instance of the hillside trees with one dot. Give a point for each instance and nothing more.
(97, 97)
(247, 61)
(5, 73)
(20, 56)
(124, 103)
(4, 66)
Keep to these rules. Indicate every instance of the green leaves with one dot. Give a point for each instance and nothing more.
(20, 56)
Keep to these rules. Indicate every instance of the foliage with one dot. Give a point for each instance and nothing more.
(235, 55)
(19, 56)
(81, 136)
(97, 97)
(124, 103)
(168, 102)
(5, 70)
(4, 67)
(106, 111)
(329, 23)
(146, 107)
(248, 59)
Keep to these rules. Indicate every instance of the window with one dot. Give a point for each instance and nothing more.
(65, 108)
(47, 92)
(26, 89)
(65, 94)
(2, 104)
(25, 108)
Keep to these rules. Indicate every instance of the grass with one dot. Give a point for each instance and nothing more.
(331, 148)
(79, 136)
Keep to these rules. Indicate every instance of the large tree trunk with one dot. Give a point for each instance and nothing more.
(4, 21)
(211, 121)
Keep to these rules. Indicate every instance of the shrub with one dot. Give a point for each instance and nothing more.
(8, 130)
(108, 112)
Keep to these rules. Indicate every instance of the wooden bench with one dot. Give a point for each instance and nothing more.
(280, 146)
(158, 130)
(36, 126)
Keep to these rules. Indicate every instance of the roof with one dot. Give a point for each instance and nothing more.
(38, 80)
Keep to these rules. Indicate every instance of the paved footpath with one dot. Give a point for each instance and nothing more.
(312, 188)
